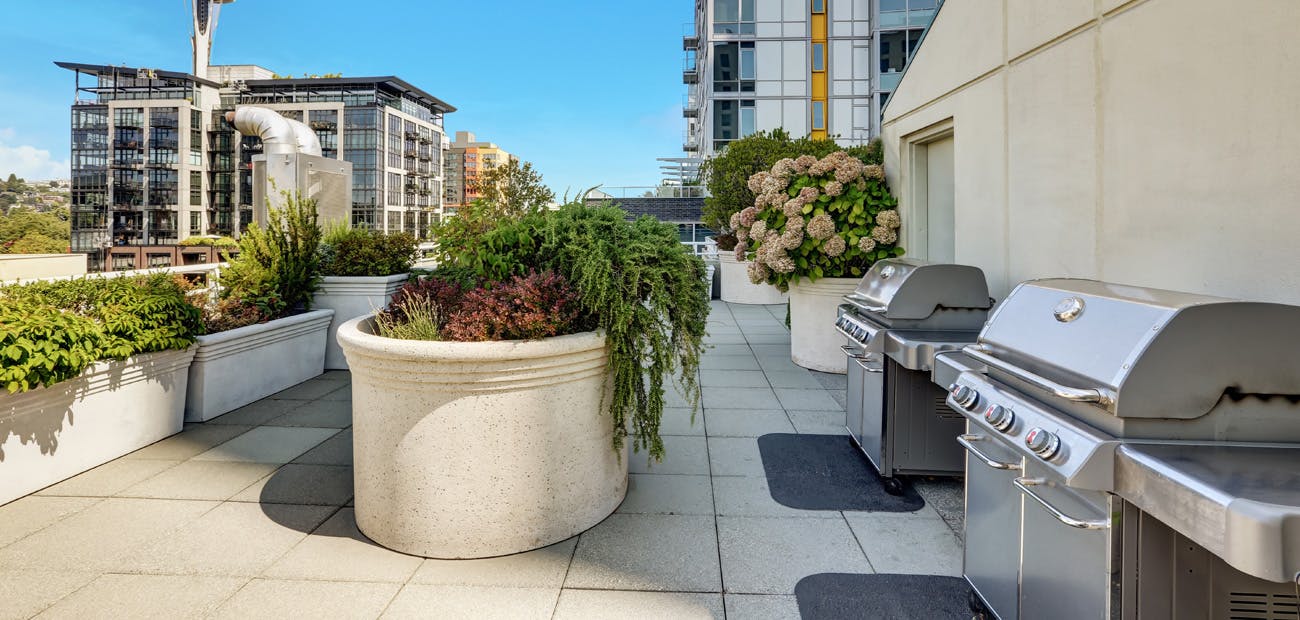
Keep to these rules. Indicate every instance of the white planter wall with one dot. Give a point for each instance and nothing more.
(113, 408)
(736, 287)
(237, 367)
(814, 342)
(479, 449)
(350, 297)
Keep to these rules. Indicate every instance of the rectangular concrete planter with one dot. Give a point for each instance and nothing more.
(112, 408)
(236, 367)
(350, 297)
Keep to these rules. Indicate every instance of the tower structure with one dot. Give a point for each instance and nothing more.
(205, 14)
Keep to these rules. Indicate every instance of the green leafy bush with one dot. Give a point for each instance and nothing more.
(278, 265)
(215, 242)
(812, 218)
(347, 251)
(43, 345)
(727, 174)
(50, 331)
(635, 281)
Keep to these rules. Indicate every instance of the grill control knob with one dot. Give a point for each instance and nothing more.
(1043, 443)
(1000, 417)
(967, 398)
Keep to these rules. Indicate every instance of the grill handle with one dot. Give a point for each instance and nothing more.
(862, 361)
(968, 442)
(858, 303)
(852, 352)
(1099, 395)
(1024, 485)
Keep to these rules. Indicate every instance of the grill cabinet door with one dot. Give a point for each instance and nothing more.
(991, 555)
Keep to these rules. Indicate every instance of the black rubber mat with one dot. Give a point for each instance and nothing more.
(839, 596)
(826, 472)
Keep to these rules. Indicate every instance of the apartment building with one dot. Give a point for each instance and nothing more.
(154, 161)
(466, 159)
(813, 67)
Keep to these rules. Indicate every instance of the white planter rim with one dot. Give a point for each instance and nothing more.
(249, 330)
(824, 286)
(397, 277)
(359, 333)
(103, 376)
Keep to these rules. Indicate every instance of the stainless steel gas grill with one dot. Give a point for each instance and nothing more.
(1133, 453)
(904, 312)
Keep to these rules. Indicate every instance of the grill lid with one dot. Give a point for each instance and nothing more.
(907, 288)
(1142, 352)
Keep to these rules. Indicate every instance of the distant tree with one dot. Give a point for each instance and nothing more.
(513, 189)
(508, 191)
(21, 222)
(36, 243)
(14, 184)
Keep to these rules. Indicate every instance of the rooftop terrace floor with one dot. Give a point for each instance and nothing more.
(249, 516)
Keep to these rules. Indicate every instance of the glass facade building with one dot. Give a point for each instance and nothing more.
(154, 160)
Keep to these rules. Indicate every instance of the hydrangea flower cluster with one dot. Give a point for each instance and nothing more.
(814, 218)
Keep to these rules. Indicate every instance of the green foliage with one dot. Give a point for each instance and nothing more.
(509, 192)
(820, 219)
(348, 251)
(635, 281)
(50, 331)
(727, 174)
(281, 263)
(216, 242)
(421, 319)
(872, 152)
(25, 231)
(42, 345)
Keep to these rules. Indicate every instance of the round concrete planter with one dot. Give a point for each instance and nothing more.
(479, 449)
(350, 297)
(814, 342)
(736, 287)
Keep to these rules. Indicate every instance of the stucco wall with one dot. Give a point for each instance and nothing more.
(1150, 142)
(29, 266)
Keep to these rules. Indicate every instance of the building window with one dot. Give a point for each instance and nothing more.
(196, 223)
(819, 56)
(160, 260)
(818, 6)
(733, 120)
(733, 16)
(733, 67)
(123, 262)
(819, 115)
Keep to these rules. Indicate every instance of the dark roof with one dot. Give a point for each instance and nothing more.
(390, 81)
(111, 69)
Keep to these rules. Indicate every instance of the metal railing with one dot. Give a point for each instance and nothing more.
(648, 191)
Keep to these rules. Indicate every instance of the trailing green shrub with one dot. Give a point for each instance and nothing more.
(217, 242)
(50, 331)
(279, 263)
(635, 281)
(347, 251)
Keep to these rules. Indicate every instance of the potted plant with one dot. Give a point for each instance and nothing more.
(362, 270)
(727, 176)
(93, 369)
(263, 337)
(493, 404)
(815, 227)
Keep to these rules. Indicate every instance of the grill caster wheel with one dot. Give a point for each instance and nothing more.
(978, 610)
(893, 486)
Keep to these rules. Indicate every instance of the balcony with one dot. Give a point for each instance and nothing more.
(252, 512)
(136, 145)
(690, 75)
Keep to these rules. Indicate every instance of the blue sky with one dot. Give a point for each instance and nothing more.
(589, 92)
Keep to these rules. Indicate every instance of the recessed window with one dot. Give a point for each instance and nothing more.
(819, 56)
(819, 115)
(818, 6)
(733, 16)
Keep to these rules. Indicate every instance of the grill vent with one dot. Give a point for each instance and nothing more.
(942, 409)
(1260, 606)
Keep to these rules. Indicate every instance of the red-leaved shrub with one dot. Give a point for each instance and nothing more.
(444, 294)
(538, 305)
